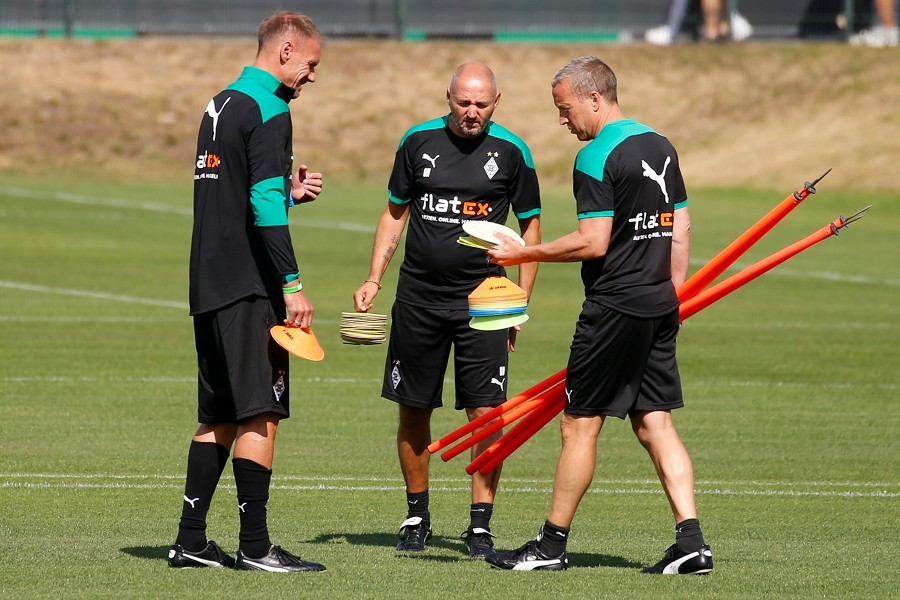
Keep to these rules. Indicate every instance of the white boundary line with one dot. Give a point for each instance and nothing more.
(28, 287)
(821, 275)
(89, 319)
(450, 480)
(510, 486)
(14, 192)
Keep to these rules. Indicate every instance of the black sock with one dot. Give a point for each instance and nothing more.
(553, 539)
(252, 481)
(480, 515)
(205, 463)
(417, 504)
(688, 535)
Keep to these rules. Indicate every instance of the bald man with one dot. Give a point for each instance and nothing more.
(456, 168)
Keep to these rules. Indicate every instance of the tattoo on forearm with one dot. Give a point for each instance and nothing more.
(389, 253)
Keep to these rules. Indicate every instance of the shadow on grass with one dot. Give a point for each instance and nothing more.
(455, 544)
(390, 540)
(148, 552)
(384, 540)
(602, 560)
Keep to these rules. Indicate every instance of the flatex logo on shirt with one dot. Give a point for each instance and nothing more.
(647, 225)
(205, 162)
(442, 209)
(208, 160)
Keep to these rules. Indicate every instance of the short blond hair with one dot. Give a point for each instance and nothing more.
(286, 23)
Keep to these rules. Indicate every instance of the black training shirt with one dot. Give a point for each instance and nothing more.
(630, 173)
(241, 245)
(447, 179)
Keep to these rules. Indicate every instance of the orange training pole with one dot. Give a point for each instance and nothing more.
(552, 407)
(704, 299)
(520, 434)
(687, 290)
(515, 413)
(497, 424)
(733, 251)
(542, 415)
(516, 400)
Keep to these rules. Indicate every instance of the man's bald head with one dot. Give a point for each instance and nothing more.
(472, 97)
(474, 73)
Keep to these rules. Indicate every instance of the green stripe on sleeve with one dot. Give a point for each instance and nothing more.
(681, 204)
(268, 202)
(528, 213)
(594, 215)
(396, 200)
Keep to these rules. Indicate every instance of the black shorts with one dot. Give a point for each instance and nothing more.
(419, 349)
(242, 371)
(619, 364)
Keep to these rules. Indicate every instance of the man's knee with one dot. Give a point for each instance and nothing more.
(262, 425)
(649, 426)
(575, 428)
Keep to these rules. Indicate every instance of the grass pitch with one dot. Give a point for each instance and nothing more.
(791, 386)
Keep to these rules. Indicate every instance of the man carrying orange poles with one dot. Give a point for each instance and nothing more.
(551, 400)
(632, 241)
(548, 395)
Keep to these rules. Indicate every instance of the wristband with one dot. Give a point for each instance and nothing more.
(293, 289)
(378, 285)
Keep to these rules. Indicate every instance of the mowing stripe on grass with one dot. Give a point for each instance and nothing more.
(776, 325)
(792, 385)
(779, 325)
(15, 192)
(165, 379)
(889, 387)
